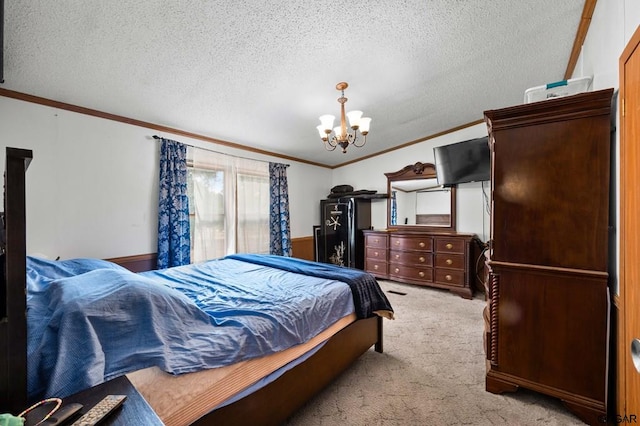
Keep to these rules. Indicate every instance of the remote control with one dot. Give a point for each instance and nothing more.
(64, 413)
(61, 416)
(101, 410)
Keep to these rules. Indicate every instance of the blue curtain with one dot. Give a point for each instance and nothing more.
(394, 209)
(279, 226)
(174, 243)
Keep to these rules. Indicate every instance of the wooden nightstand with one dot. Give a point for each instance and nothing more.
(134, 411)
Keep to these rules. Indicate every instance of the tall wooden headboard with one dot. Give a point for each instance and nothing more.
(13, 301)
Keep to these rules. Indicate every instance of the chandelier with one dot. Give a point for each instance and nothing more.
(332, 137)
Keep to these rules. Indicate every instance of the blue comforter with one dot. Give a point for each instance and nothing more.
(91, 320)
(367, 294)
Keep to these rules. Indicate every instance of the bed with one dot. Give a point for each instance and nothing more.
(182, 316)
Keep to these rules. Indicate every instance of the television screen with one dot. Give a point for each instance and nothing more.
(467, 161)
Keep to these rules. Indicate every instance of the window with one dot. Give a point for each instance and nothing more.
(253, 213)
(206, 213)
(228, 205)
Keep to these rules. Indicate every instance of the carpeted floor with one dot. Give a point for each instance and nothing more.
(431, 373)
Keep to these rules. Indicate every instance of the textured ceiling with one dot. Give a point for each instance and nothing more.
(259, 73)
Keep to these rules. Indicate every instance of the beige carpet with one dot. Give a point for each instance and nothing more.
(431, 373)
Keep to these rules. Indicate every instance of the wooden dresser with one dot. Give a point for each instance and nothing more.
(430, 258)
(547, 320)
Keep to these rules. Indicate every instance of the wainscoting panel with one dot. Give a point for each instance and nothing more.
(137, 263)
(303, 248)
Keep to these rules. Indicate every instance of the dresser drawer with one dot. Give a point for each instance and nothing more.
(410, 258)
(450, 245)
(374, 253)
(376, 267)
(375, 240)
(449, 277)
(453, 260)
(411, 273)
(417, 242)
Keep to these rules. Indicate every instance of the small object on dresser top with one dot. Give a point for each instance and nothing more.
(101, 410)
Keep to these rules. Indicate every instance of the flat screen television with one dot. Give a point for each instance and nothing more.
(466, 161)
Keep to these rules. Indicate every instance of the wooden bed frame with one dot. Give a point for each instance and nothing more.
(272, 404)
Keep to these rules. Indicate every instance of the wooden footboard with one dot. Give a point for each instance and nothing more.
(275, 402)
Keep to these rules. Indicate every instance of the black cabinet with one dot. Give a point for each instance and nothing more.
(340, 239)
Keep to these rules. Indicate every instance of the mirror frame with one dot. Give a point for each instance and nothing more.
(412, 172)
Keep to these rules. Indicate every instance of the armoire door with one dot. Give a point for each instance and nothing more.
(629, 330)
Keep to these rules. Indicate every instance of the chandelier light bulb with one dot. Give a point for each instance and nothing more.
(322, 132)
(354, 118)
(326, 121)
(365, 123)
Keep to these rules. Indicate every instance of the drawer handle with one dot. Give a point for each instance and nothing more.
(396, 270)
(421, 274)
(422, 244)
(397, 256)
(421, 259)
(375, 253)
(397, 242)
(449, 246)
(375, 267)
(449, 261)
(448, 277)
(376, 240)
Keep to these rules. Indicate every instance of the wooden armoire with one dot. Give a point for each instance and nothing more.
(547, 318)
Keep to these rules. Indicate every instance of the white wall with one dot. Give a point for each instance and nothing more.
(369, 174)
(612, 25)
(92, 186)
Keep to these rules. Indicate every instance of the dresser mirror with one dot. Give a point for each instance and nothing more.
(417, 201)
